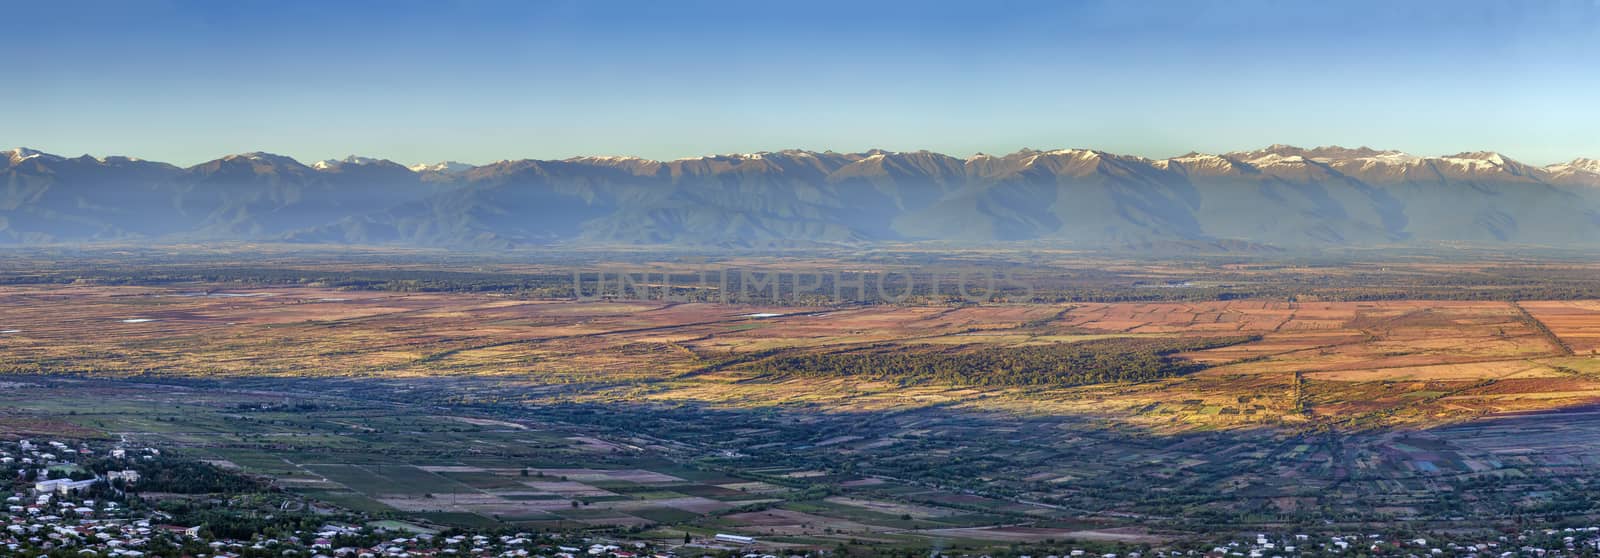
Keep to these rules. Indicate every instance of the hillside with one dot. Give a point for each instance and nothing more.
(1282, 196)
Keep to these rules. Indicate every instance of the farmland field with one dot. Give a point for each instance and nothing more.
(815, 424)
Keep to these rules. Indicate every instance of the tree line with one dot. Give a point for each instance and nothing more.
(1129, 359)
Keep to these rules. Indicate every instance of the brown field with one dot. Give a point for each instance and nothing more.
(1406, 361)
(535, 412)
(1575, 322)
(789, 522)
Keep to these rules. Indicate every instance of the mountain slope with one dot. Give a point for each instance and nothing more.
(1280, 195)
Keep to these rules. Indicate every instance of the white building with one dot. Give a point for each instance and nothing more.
(62, 486)
(737, 539)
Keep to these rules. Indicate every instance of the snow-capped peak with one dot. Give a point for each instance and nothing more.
(1274, 159)
(262, 157)
(1329, 154)
(349, 160)
(1391, 162)
(21, 154)
(757, 156)
(1584, 164)
(442, 167)
(1477, 160)
(1339, 157)
(605, 159)
(1078, 153)
(1485, 156)
(1580, 165)
(1395, 157)
(1276, 149)
(1197, 161)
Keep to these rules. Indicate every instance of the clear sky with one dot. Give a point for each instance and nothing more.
(478, 81)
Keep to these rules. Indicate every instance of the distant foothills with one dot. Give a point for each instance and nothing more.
(1280, 197)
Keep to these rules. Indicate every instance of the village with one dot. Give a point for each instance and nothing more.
(62, 506)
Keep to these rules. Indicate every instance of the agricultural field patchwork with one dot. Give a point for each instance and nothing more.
(814, 425)
(407, 462)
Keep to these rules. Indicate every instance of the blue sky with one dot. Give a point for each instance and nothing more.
(479, 81)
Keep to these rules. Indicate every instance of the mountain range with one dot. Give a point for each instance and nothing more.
(1276, 197)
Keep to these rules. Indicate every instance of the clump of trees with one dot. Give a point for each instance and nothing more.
(183, 476)
(1131, 359)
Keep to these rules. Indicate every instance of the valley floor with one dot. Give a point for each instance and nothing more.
(483, 409)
